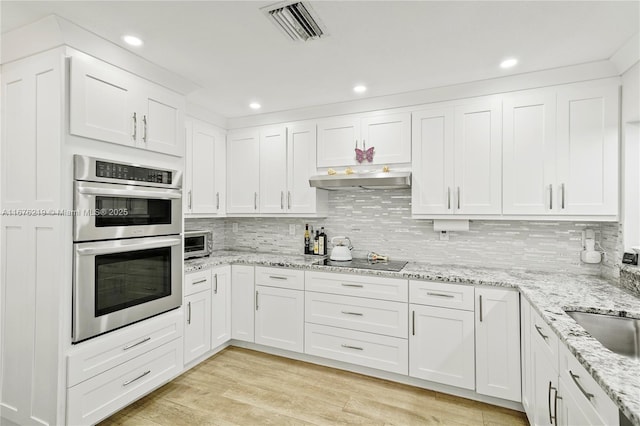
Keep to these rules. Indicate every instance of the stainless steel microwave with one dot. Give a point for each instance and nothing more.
(197, 243)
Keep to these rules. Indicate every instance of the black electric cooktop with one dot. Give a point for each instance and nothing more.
(391, 266)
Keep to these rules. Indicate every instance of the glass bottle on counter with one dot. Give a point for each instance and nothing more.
(322, 243)
(310, 245)
(316, 241)
(306, 239)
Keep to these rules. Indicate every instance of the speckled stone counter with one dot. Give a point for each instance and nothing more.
(549, 293)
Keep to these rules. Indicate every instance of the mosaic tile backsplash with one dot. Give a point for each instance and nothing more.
(380, 221)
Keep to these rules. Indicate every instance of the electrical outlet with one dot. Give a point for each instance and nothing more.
(444, 236)
(292, 229)
(234, 227)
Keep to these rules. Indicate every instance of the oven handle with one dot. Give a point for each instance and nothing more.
(123, 246)
(128, 191)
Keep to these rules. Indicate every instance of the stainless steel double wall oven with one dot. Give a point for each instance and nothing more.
(127, 244)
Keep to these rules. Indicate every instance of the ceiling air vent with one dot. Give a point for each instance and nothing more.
(297, 20)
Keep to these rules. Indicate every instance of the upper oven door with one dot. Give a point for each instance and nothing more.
(108, 211)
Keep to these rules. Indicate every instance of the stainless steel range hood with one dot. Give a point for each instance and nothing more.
(379, 180)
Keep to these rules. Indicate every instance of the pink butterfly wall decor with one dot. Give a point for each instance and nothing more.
(361, 154)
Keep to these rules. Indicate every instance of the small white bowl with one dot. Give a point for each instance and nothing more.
(636, 249)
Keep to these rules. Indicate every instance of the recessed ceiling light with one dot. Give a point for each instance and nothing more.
(508, 63)
(132, 40)
(255, 105)
(360, 88)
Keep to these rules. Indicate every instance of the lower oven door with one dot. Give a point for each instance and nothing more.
(119, 282)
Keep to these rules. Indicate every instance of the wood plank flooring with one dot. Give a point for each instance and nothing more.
(243, 387)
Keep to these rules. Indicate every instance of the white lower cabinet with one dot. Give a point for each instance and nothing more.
(280, 318)
(498, 343)
(197, 325)
(220, 305)
(242, 302)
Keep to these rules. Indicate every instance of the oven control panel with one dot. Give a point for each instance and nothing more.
(110, 170)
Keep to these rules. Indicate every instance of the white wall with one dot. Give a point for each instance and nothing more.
(630, 129)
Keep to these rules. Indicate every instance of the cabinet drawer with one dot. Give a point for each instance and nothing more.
(366, 349)
(104, 394)
(355, 313)
(591, 398)
(105, 352)
(197, 281)
(357, 285)
(280, 277)
(442, 295)
(543, 337)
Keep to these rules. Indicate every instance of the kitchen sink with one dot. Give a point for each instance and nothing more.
(618, 334)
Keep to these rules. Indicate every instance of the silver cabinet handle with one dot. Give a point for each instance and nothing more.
(551, 416)
(352, 347)
(199, 282)
(281, 200)
(128, 382)
(289, 200)
(215, 283)
(550, 197)
(575, 378)
(449, 198)
(144, 131)
(555, 405)
(255, 201)
(562, 197)
(356, 143)
(413, 323)
(351, 285)
(539, 329)
(364, 147)
(217, 201)
(133, 345)
(441, 295)
(135, 127)
(189, 199)
(480, 308)
(257, 300)
(189, 313)
(277, 277)
(458, 198)
(359, 314)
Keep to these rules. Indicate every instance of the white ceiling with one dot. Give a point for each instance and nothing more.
(236, 55)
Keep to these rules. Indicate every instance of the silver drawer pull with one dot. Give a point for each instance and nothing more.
(352, 285)
(133, 345)
(128, 382)
(440, 295)
(352, 347)
(575, 378)
(540, 333)
(359, 314)
(199, 282)
(276, 277)
(215, 280)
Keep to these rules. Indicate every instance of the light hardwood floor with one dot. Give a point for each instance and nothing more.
(244, 387)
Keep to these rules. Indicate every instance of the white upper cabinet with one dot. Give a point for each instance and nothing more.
(273, 169)
(388, 134)
(243, 171)
(561, 151)
(112, 105)
(457, 159)
(301, 165)
(205, 169)
(587, 137)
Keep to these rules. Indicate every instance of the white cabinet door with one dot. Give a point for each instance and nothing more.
(243, 171)
(273, 170)
(301, 164)
(529, 158)
(390, 135)
(242, 303)
(280, 318)
(498, 343)
(337, 140)
(526, 358)
(220, 305)
(441, 346)
(102, 102)
(588, 150)
(205, 146)
(545, 385)
(162, 119)
(197, 326)
(432, 162)
(478, 158)
(570, 411)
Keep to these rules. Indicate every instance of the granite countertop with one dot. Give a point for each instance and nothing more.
(549, 293)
